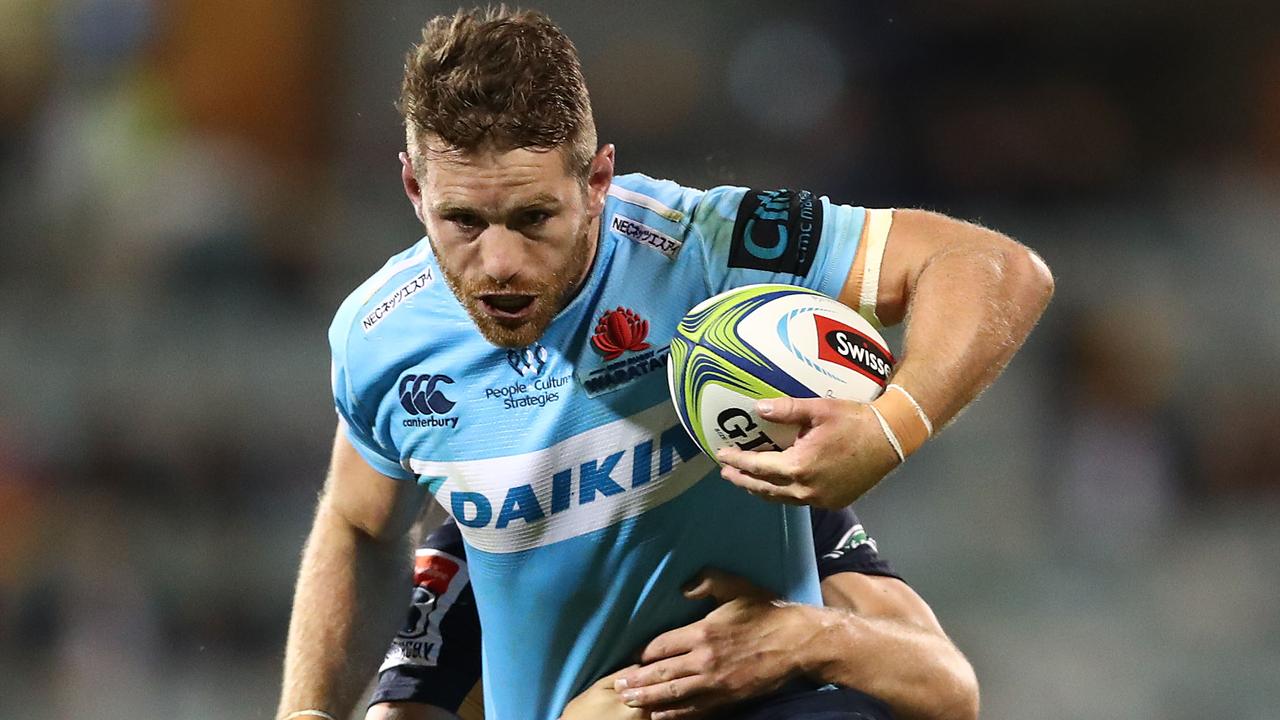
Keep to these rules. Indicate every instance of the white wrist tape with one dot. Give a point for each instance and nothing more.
(924, 418)
(309, 713)
(888, 433)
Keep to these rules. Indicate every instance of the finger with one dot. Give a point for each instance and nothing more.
(611, 680)
(762, 488)
(671, 643)
(769, 465)
(723, 587)
(666, 693)
(805, 412)
(662, 671)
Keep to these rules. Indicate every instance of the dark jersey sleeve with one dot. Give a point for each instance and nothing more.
(842, 545)
(435, 658)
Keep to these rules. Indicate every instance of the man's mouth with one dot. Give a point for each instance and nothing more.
(507, 306)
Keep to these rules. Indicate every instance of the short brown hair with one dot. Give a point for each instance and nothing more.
(497, 78)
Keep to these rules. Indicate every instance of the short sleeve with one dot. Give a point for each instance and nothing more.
(843, 545)
(359, 429)
(435, 658)
(776, 236)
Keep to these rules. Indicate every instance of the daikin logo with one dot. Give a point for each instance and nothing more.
(580, 484)
(585, 482)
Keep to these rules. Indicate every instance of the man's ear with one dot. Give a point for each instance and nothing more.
(599, 178)
(411, 188)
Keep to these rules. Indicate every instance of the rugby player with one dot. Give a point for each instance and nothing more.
(876, 635)
(510, 363)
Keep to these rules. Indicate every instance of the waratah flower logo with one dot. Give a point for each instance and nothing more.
(619, 331)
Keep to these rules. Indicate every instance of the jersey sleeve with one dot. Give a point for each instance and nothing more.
(776, 236)
(435, 658)
(352, 416)
(842, 545)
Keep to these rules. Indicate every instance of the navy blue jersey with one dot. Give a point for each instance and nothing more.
(435, 658)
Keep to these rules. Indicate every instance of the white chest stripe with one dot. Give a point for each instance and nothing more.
(585, 483)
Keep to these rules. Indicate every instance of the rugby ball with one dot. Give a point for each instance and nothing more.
(766, 341)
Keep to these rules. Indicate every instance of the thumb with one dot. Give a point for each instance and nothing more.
(792, 411)
(722, 587)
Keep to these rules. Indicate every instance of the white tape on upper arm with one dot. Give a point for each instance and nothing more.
(878, 222)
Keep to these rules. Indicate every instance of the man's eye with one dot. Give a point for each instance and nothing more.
(536, 217)
(466, 222)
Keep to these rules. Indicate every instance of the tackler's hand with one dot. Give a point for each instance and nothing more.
(841, 452)
(744, 648)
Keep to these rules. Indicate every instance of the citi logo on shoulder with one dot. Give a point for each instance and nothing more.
(420, 396)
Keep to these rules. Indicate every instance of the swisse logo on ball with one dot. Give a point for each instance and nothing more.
(840, 344)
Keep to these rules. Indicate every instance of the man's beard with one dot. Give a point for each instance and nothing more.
(550, 297)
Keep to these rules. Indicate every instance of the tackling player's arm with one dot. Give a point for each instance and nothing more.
(970, 297)
(876, 636)
(350, 584)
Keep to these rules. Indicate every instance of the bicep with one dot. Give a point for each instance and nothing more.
(876, 596)
(913, 239)
(382, 507)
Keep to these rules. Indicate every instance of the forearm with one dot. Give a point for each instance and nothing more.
(971, 307)
(344, 610)
(920, 674)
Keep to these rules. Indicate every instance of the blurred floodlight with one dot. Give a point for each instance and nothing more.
(786, 76)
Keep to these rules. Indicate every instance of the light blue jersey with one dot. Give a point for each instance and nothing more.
(583, 503)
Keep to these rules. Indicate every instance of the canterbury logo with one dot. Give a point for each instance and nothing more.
(420, 396)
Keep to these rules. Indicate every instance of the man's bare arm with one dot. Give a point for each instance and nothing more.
(878, 636)
(354, 573)
(970, 297)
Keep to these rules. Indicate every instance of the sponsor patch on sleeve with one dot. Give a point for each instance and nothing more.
(776, 231)
(638, 232)
(395, 299)
(854, 538)
(438, 580)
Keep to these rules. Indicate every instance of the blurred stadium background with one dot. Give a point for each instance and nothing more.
(188, 189)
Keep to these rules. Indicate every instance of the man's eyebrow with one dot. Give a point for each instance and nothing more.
(541, 199)
(448, 208)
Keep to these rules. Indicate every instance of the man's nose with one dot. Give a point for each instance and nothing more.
(502, 253)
